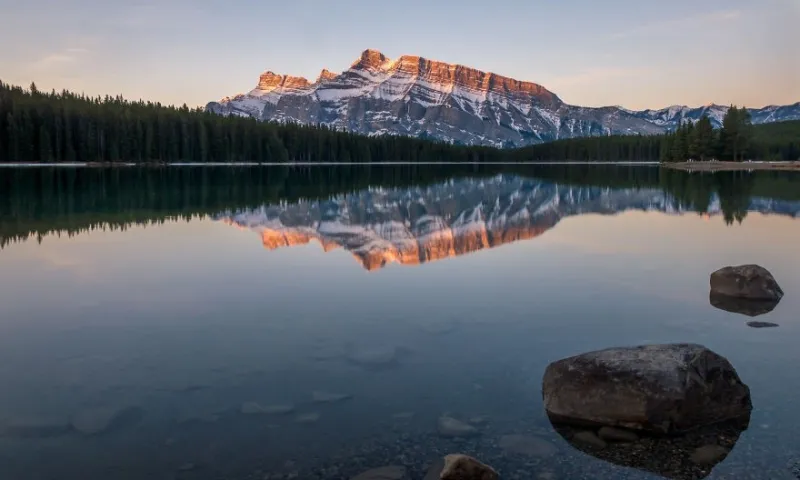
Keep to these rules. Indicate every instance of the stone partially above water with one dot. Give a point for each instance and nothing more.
(751, 282)
(450, 427)
(463, 467)
(662, 389)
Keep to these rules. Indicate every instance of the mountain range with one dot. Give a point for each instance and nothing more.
(423, 98)
(415, 225)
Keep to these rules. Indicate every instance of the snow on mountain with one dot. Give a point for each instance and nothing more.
(415, 96)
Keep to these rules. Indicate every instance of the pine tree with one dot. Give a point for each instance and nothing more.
(730, 133)
(702, 145)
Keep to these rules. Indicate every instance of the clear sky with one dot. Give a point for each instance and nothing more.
(636, 53)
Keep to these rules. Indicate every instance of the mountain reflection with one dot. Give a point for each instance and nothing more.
(406, 214)
(415, 225)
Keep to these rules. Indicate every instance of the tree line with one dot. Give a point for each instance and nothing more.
(737, 140)
(63, 126)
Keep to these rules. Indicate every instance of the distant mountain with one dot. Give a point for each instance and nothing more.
(423, 98)
(416, 225)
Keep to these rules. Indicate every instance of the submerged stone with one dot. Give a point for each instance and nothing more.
(680, 457)
(328, 397)
(450, 427)
(709, 455)
(254, 408)
(383, 473)
(35, 428)
(104, 419)
(762, 325)
(656, 388)
(527, 445)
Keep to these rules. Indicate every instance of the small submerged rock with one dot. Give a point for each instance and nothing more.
(450, 427)
(35, 428)
(383, 473)
(328, 397)
(709, 455)
(752, 282)
(404, 416)
(308, 417)
(254, 408)
(463, 467)
(611, 434)
(589, 439)
(527, 445)
(762, 325)
(376, 358)
(435, 470)
(104, 419)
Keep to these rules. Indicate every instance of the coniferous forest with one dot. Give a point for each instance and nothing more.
(40, 127)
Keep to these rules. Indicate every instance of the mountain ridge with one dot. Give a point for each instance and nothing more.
(415, 96)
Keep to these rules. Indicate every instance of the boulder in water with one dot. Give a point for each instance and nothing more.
(662, 389)
(752, 282)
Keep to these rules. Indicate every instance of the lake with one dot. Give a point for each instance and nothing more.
(317, 322)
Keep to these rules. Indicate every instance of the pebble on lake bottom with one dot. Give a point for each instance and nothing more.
(383, 473)
(708, 455)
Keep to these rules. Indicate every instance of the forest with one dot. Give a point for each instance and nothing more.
(44, 127)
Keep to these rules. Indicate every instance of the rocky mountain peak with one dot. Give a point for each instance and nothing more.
(369, 60)
(270, 81)
(326, 75)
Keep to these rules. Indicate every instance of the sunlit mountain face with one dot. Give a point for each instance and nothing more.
(412, 226)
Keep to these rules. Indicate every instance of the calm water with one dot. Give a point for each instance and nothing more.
(174, 298)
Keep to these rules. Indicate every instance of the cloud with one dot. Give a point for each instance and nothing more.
(60, 59)
(669, 26)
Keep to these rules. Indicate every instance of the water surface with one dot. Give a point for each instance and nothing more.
(177, 295)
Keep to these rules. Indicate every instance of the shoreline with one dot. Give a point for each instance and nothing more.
(295, 164)
(732, 166)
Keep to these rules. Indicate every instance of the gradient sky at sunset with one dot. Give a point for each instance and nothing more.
(640, 54)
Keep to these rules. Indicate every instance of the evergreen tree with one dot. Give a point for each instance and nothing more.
(702, 143)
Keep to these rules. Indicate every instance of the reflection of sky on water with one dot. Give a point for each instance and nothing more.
(136, 316)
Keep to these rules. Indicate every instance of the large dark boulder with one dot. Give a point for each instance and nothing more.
(663, 389)
(751, 308)
(752, 282)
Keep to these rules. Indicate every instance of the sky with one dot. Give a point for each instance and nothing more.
(634, 53)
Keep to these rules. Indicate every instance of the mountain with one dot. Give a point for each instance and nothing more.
(423, 98)
(415, 225)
